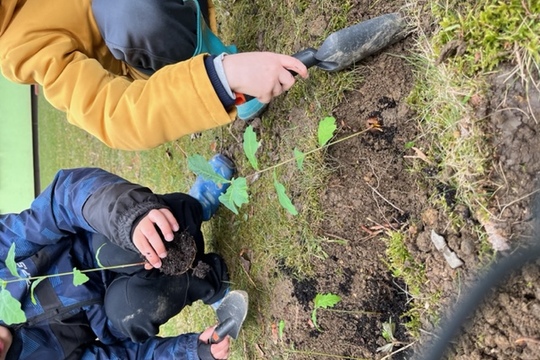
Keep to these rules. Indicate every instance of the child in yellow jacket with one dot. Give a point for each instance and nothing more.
(135, 73)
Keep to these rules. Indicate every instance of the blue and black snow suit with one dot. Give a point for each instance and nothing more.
(116, 314)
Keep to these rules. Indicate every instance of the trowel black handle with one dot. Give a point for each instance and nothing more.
(307, 57)
(223, 329)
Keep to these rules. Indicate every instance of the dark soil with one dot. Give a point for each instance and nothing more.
(181, 255)
(373, 190)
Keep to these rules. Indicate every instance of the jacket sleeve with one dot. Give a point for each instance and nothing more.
(55, 214)
(182, 347)
(177, 100)
(47, 46)
(115, 209)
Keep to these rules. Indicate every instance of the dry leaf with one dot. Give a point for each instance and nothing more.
(495, 237)
(274, 333)
(421, 155)
(261, 352)
(245, 259)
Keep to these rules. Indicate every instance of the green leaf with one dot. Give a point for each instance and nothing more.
(236, 195)
(10, 261)
(326, 300)
(327, 126)
(10, 309)
(386, 348)
(388, 330)
(323, 301)
(281, 328)
(299, 156)
(78, 277)
(314, 319)
(283, 198)
(251, 145)
(200, 166)
(33, 287)
(409, 144)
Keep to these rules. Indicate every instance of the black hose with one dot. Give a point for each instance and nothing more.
(498, 272)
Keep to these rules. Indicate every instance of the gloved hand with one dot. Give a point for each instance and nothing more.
(207, 351)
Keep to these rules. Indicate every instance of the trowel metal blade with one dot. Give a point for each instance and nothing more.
(234, 305)
(349, 45)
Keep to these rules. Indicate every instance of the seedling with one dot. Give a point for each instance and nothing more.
(323, 301)
(237, 193)
(10, 308)
(388, 335)
(388, 331)
(281, 329)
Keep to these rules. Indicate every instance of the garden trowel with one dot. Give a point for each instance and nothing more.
(340, 50)
(231, 314)
(351, 44)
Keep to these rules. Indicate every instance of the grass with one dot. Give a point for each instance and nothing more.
(485, 35)
(443, 98)
(448, 89)
(262, 229)
(402, 265)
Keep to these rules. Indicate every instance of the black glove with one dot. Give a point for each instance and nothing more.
(203, 350)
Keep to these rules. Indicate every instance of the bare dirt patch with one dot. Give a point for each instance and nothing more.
(373, 190)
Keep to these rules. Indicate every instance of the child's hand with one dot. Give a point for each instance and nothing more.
(219, 350)
(5, 341)
(263, 75)
(147, 239)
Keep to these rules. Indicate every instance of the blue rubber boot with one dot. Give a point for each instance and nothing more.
(250, 109)
(217, 304)
(207, 191)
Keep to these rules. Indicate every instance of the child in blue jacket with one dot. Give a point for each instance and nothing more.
(86, 219)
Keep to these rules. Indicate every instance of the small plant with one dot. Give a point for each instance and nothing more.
(10, 308)
(281, 329)
(237, 193)
(323, 301)
(493, 32)
(388, 334)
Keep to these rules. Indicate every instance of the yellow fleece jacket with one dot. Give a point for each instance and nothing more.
(57, 44)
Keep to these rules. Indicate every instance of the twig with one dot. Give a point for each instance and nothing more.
(524, 4)
(234, 136)
(419, 155)
(517, 200)
(249, 278)
(523, 340)
(352, 311)
(336, 237)
(387, 201)
(181, 149)
(371, 233)
(428, 333)
(311, 353)
(398, 351)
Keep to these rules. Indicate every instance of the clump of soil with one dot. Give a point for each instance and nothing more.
(181, 255)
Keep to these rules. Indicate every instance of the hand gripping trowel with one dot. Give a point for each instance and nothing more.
(231, 314)
(340, 50)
